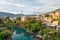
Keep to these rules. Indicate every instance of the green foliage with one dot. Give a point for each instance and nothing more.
(1, 21)
(47, 15)
(31, 25)
(5, 31)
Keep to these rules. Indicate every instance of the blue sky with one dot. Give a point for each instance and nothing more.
(28, 6)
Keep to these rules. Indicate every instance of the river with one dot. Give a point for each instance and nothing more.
(21, 34)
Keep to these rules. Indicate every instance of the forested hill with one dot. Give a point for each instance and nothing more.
(4, 14)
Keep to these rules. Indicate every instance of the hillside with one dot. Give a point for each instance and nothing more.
(4, 14)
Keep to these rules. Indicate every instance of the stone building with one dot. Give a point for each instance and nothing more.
(23, 18)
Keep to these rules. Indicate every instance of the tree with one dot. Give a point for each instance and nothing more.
(1, 21)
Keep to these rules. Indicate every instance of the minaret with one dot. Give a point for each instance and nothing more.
(23, 16)
(42, 16)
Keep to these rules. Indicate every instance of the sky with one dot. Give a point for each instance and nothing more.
(28, 6)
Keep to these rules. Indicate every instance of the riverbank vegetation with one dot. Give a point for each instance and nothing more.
(30, 25)
(5, 29)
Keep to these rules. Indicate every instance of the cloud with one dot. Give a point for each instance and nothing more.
(49, 5)
(20, 6)
(15, 4)
(29, 6)
(49, 2)
(11, 0)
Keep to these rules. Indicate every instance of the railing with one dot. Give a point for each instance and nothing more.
(57, 28)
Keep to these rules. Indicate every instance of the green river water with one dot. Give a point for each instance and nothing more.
(21, 34)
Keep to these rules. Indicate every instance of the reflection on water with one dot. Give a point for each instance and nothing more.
(21, 34)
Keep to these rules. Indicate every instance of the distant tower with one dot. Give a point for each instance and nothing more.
(42, 18)
(23, 17)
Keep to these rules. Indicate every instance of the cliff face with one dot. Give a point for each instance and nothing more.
(54, 14)
(51, 17)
